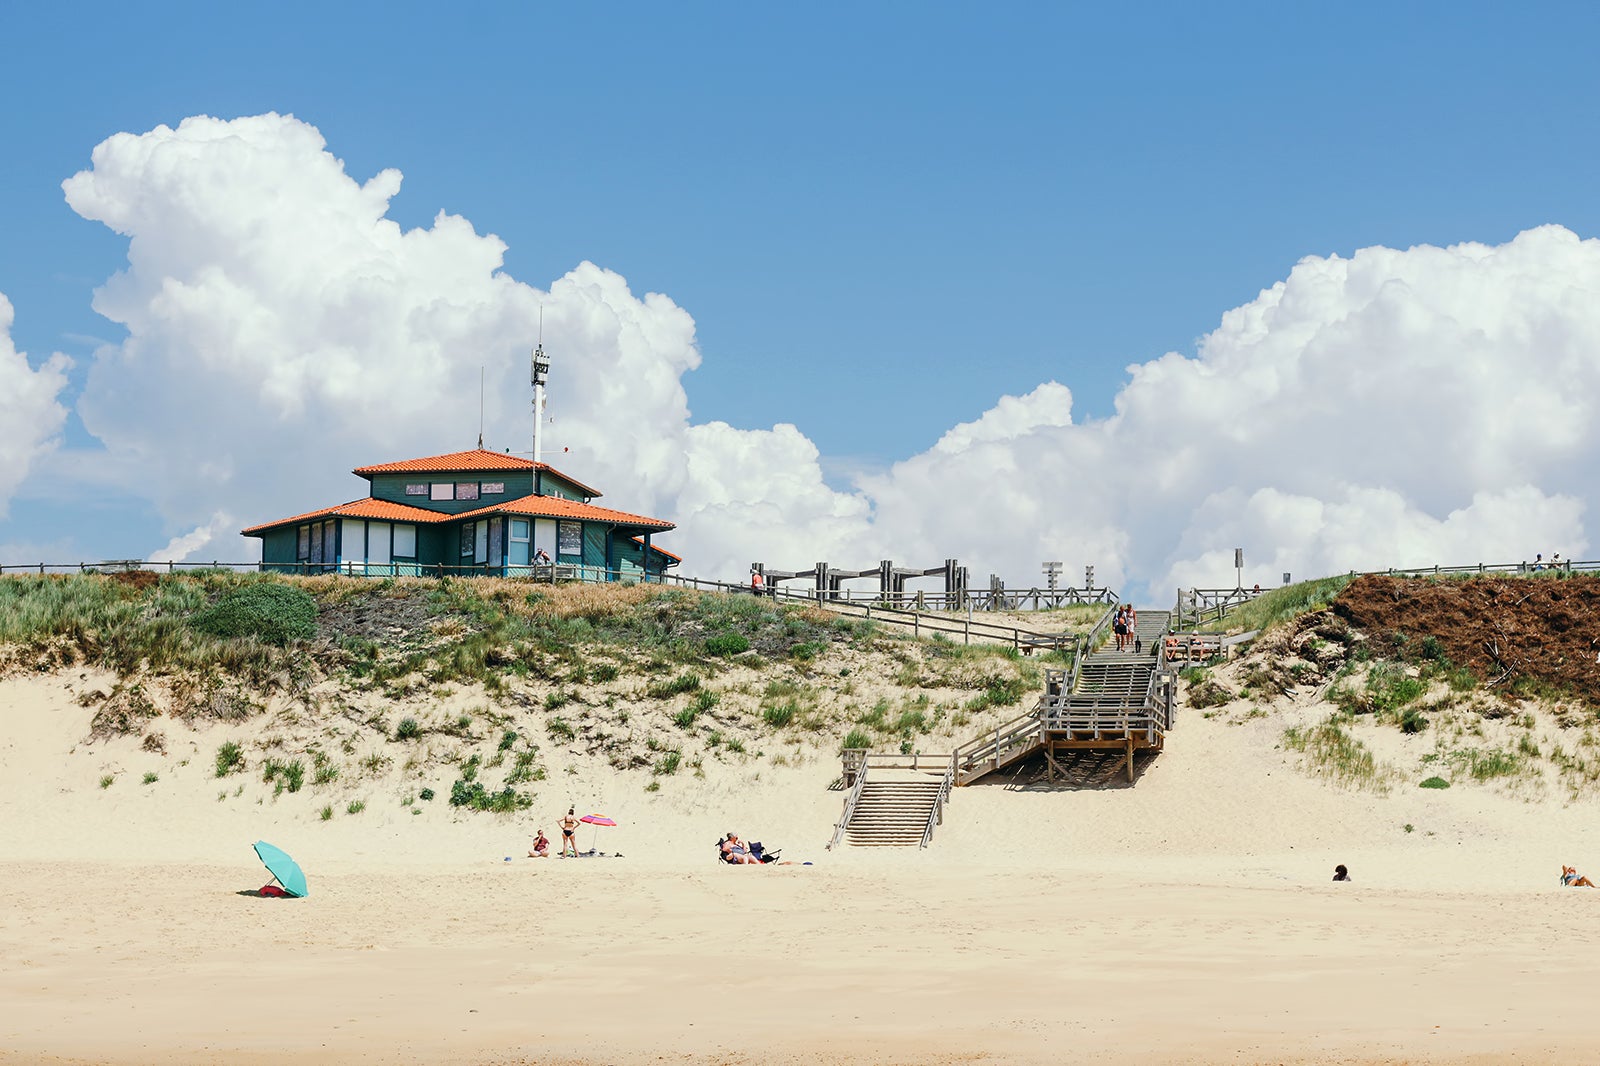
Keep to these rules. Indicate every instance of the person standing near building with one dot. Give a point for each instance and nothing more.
(756, 582)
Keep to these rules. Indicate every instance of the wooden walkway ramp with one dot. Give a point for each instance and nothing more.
(1111, 700)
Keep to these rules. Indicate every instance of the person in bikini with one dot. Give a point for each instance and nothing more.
(569, 829)
(1573, 879)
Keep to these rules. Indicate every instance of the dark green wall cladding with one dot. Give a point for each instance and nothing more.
(279, 546)
(392, 487)
(594, 545)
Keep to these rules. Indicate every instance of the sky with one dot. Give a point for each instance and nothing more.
(829, 282)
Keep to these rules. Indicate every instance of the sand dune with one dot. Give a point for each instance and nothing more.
(1189, 918)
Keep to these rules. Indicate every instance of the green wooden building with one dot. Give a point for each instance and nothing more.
(475, 512)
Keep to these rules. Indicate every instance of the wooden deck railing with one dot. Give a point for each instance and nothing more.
(936, 816)
(852, 798)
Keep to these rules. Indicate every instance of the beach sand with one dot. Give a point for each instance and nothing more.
(1187, 919)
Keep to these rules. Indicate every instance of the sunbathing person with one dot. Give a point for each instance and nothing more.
(1573, 879)
(541, 847)
(734, 851)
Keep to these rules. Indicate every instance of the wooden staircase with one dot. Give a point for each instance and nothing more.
(895, 808)
(1113, 697)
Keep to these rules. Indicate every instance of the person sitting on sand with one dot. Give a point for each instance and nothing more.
(1340, 873)
(1573, 879)
(541, 847)
(734, 851)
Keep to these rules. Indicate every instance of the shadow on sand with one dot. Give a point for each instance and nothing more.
(1099, 771)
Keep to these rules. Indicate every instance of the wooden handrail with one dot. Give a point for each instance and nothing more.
(936, 816)
(850, 802)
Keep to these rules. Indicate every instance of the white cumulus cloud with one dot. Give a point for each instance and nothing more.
(1391, 407)
(30, 414)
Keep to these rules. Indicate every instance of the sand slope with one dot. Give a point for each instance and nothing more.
(1188, 918)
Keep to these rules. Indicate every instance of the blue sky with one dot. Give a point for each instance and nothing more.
(882, 218)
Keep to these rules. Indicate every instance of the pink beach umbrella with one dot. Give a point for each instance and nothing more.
(596, 820)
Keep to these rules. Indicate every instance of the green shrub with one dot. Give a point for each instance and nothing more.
(327, 814)
(473, 796)
(685, 717)
(664, 690)
(230, 758)
(856, 738)
(426, 794)
(911, 722)
(704, 700)
(408, 729)
(270, 612)
(1208, 693)
(356, 807)
(508, 740)
(559, 729)
(727, 644)
(604, 672)
(1412, 721)
(286, 775)
(667, 764)
(105, 782)
(780, 714)
(151, 777)
(1434, 782)
(326, 773)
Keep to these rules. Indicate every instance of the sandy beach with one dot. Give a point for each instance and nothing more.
(1189, 918)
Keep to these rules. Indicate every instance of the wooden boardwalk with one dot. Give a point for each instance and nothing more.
(1110, 701)
(1120, 701)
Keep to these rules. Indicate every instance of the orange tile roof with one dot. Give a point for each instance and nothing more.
(367, 507)
(557, 507)
(662, 551)
(478, 460)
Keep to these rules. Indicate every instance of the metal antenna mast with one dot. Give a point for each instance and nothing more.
(541, 370)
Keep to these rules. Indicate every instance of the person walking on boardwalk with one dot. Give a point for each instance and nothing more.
(569, 829)
(1119, 626)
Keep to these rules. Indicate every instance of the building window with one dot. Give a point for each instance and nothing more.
(493, 488)
(466, 490)
(417, 490)
(405, 541)
(480, 549)
(443, 490)
(466, 539)
(303, 551)
(520, 552)
(569, 538)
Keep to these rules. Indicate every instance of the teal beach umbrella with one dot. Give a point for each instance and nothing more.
(285, 870)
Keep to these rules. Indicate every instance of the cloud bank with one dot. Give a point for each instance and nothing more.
(1396, 407)
(30, 415)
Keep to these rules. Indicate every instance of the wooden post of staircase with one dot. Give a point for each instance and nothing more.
(1130, 758)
